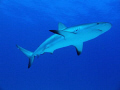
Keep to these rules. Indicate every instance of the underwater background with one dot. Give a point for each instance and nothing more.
(27, 23)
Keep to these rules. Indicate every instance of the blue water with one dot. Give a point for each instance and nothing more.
(27, 23)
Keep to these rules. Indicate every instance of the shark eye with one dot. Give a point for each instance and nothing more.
(98, 23)
(75, 31)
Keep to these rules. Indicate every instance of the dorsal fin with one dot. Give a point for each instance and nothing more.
(61, 26)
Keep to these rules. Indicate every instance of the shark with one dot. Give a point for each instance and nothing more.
(66, 36)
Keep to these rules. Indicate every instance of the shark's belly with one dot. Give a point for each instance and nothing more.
(59, 43)
(51, 44)
(86, 36)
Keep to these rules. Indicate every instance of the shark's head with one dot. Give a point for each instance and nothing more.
(102, 26)
(92, 30)
(94, 27)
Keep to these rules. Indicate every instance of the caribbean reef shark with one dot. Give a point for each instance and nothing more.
(64, 36)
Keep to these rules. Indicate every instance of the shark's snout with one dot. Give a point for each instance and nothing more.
(108, 25)
(105, 26)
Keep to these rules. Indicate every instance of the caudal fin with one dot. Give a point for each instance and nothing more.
(29, 54)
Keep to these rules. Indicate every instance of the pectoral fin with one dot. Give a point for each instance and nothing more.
(63, 33)
(79, 48)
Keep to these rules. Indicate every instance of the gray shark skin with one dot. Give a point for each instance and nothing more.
(64, 37)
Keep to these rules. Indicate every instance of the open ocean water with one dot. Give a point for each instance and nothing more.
(27, 23)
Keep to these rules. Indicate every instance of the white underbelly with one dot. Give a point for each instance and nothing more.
(53, 46)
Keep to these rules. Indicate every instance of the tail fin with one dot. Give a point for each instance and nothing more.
(29, 54)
